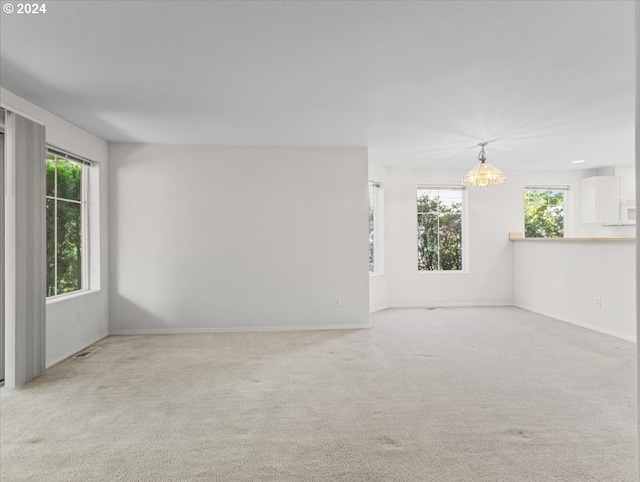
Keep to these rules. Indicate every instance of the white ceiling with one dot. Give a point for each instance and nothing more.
(419, 83)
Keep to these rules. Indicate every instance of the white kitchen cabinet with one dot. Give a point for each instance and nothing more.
(600, 200)
(627, 188)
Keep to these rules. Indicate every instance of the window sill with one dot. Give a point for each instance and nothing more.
(559, 240)
(427, 272)
(372, 275)
(68, 296)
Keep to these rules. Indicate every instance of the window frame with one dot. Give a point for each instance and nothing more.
(84, 220)
(376, 197)
(566, 190)
(463, 227)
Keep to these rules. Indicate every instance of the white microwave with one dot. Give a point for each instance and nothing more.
(627, 212)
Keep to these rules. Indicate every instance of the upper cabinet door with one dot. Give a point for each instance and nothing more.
(600, 200)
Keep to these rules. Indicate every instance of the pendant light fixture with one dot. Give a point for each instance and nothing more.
(484, 174)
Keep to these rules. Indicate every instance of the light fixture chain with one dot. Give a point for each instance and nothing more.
(482, 157)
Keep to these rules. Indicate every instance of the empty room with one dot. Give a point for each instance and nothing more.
(319, 240)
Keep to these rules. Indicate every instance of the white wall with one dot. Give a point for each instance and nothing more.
(490, 271)
(379, 282)
(563, 280)
(65, 335)
(637, 166)
(207, 238)
(491, 214)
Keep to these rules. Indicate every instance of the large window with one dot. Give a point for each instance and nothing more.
(375, 228)
(66, 223)
(440, 228)
(544, 211)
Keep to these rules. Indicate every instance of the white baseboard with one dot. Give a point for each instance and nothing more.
(77, 348)
(447, 305)
(160, 331)
(589, 326)
(374, 309)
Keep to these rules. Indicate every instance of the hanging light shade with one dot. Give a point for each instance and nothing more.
(484, 174)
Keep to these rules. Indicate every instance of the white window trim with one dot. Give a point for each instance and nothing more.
(84, 213)
(465, 231)
(378, 229)
(568, 206)
(71, 294)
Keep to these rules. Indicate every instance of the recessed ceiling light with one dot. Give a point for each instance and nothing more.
(579, 161)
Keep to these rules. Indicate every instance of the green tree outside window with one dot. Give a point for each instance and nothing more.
(64, 205)
(543, 213)
(439, 229)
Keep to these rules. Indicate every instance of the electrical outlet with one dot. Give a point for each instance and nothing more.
(337, 301)
(78, 316)
(598, 302)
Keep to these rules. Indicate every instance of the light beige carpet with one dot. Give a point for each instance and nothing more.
(469, 394)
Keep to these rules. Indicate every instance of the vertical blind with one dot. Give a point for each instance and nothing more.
(25, 249)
